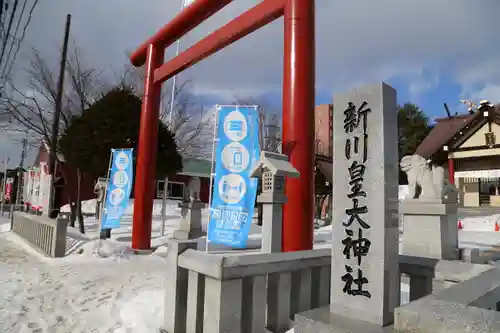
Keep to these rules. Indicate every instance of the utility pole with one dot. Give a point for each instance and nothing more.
(4, 182)
(57, 111)
(20, 171)
(58, 101)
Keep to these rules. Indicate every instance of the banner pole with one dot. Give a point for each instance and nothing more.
(164, 205)
(210, 193)
(105, 197)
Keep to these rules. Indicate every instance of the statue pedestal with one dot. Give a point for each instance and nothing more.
(191, 221)
(430, 228)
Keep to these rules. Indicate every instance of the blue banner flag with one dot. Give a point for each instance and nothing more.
(234, 191)
(119, 188)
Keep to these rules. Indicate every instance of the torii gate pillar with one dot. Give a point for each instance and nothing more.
(298, 103)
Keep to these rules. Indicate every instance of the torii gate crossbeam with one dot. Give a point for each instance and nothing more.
(298, 103)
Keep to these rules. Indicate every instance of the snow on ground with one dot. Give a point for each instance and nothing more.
(109, 295)
(122, 237)
(101, 287)
(4, 223)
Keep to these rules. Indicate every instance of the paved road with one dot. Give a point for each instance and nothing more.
(480, 211)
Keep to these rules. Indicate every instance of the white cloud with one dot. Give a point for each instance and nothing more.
(421, 82)
(358, 42)
(489, 92)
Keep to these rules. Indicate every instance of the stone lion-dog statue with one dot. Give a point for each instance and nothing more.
(426, 182)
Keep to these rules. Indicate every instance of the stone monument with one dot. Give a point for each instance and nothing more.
(191, 210)
(365, 279)
(271, 169)
(429, 212)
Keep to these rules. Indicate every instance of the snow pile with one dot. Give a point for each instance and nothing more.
(121, 238)
(88, 207)
(4, 224)
(107, 248)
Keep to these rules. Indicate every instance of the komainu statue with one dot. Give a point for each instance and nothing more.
(425, 182)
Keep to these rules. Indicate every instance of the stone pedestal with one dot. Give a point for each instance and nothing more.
(322, 320)
(191, 221)
(272, 221)
(430, 228)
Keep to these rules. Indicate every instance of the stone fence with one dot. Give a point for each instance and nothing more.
(254, 292)
(214, 293)
(46, 235)
(467, 302)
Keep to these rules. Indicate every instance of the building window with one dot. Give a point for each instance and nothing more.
(175, 189)
(160, 187)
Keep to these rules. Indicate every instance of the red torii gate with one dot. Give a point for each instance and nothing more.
(298, 103)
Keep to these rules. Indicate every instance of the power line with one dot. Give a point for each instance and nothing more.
(1, 12)
(23, 35)
(5, 7)
(15, 33)
(8, 29)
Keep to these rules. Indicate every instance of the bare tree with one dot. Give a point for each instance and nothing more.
(32, 108)
(269, 123)
(190, 123)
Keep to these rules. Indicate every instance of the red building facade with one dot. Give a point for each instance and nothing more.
(67, 180)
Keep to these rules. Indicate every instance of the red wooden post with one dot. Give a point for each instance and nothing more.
(298, 103)
(451, 170)
(145, 174)
(298, 123)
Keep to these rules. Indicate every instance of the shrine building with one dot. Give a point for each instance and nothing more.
(466, 146)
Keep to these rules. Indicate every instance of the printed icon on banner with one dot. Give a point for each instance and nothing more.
(122, 161)
(114, 212)
(216, 213)
(235, 126)
(117, 196)
(232, 188)
(120, 178)
(235, 157)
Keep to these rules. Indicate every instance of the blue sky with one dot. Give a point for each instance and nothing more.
(430, 51)
(431, 101)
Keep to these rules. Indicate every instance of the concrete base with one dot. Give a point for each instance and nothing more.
(185, 235)
(143, 252)
(323, 321)
(430, 229)
(191, 221)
